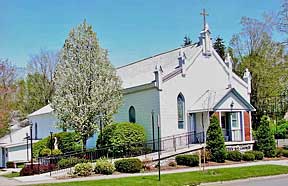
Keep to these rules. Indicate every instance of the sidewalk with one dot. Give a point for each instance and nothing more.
(45, 178)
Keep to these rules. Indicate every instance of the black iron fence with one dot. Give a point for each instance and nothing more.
(170, 143)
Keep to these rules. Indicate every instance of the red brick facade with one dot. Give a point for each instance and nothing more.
(247, 126)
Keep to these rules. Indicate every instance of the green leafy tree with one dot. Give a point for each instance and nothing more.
(265, 141)
(36, 90)
(265, 59)
(215, 141)
(86, 85)
(187, 41)
(219, 46)
(33, 93)
(7, 93)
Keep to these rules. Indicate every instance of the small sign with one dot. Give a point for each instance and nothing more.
(241, 148)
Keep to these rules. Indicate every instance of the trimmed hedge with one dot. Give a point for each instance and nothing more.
(258, 154)
(234, 155)
(83, 169)
(248, 156)
(70, 162)
(285, 153)
(127, 139)
(103, 166)
(279, 152)
(10, 164)
(188, 160)
(129, 165)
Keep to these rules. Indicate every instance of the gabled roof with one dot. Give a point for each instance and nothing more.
(213, 100)
(142, 72)
(44, 110)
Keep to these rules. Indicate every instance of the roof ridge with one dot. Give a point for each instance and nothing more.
(162, 53)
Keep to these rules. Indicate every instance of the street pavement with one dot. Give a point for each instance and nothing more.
(281, 180)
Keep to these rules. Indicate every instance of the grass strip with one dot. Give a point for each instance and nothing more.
(185, 179)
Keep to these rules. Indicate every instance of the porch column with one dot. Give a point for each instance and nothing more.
(220, 120)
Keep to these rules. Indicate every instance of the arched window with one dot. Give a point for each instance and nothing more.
(132, 115)
(181, 110)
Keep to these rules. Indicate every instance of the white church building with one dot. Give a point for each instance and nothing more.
(183, 87)
(179, 90)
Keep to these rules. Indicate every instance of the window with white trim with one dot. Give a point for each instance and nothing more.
(181, 110)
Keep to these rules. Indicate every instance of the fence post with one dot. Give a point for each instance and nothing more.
(174, 143)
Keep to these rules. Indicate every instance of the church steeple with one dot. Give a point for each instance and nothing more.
(205, 39)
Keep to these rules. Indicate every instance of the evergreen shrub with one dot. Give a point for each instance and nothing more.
(215, 141)
(70, 162)
(126, 139)
(129, 165)
(265, 141)
(285, 153)
(187, 160)
(104, 166)
(248, 156)
(258, 154)
(83, 169)
(234, 155)
(279, 152)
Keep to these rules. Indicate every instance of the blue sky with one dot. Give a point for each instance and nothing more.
(129, 29)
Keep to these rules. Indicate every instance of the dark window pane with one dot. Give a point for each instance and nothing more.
(132, 115)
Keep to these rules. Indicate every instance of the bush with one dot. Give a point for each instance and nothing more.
(103, 166)
(234, 155)
(215, 141)
(248, 156)
(70, 162)
(67, 142)
(10, 164)
(129, 165)
(45, 152)
(37, 169)
(39, 146)
(265, 141)
(285, 153)
(258, 154)
(56, 152)
(122, 135)
(279, 152)
(188, 160)
(83, 169)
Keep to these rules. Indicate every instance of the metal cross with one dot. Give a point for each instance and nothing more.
(204, 14)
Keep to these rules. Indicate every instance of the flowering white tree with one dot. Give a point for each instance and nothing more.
(86, 84)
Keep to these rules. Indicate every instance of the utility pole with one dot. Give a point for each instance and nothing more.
(27, 146)
(31, 138)
(153, 128)
(51, 148)
(159, 148)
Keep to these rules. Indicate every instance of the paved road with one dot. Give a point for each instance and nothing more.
(281, 180)
(8, 182)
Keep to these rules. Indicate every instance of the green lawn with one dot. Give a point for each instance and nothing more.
(189, 178)
(11, 175)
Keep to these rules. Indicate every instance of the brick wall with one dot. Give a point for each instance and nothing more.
(247, 126)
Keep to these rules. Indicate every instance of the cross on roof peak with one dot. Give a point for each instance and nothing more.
(204, 14)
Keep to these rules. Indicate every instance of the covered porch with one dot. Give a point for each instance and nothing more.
(232, 110)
